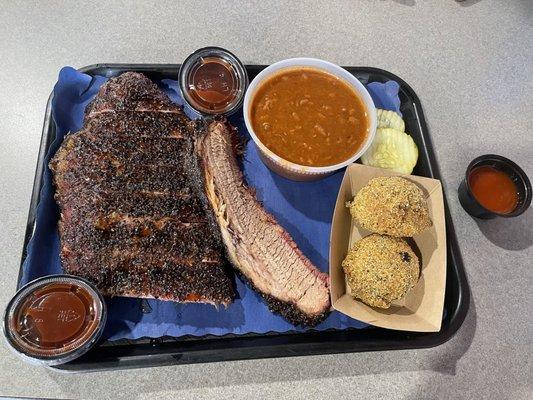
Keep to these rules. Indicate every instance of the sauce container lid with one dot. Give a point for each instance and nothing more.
(54, 319)
(213, 81)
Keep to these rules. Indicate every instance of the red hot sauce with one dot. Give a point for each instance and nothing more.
(493, 189)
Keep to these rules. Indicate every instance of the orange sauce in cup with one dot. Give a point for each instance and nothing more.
(493, 189)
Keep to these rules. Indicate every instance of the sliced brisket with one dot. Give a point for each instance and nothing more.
(257, 245)
(134, 217)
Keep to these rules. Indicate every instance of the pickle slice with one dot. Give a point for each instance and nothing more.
(389, 119)
(392, 149)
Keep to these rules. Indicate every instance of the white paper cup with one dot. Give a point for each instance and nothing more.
(292, 170)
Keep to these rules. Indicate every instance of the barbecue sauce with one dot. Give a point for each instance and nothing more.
(493, 189)
(54, 317)
(212, 84)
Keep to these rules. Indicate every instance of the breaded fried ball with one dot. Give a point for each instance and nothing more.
(380, 269)
(391, 206)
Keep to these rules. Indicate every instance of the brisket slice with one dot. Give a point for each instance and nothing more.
(134, 216)
(257, 245)
(132, 92)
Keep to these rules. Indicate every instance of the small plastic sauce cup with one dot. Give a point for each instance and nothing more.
(54, 319)
(474, 206)
(213, 81)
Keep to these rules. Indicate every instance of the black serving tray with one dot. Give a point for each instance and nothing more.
(167, 350)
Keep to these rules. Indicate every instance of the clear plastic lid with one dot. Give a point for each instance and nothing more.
(54, 319)
(213, 81)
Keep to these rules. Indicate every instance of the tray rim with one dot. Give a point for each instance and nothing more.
(167, 353)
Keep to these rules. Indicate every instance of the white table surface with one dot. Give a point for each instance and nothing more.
(471, 65)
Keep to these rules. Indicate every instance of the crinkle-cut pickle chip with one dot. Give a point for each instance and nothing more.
(390, 119)
(392, 149)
